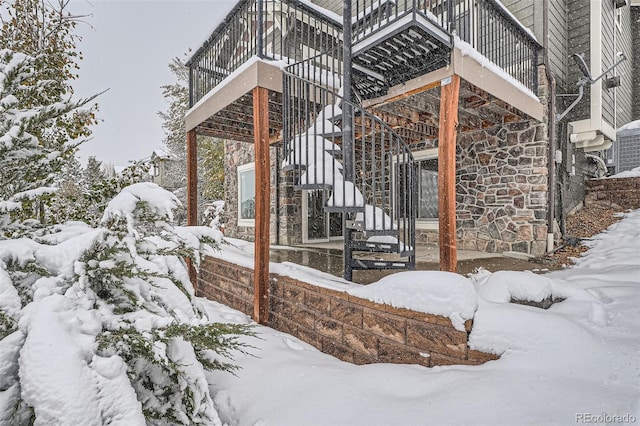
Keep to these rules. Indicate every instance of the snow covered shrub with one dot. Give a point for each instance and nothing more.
(84, 194)
(213, 215)
(107, 317)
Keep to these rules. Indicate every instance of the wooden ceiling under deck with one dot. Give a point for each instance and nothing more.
(415, 118)
(235, 121)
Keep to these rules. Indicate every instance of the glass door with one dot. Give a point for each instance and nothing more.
(317, 224)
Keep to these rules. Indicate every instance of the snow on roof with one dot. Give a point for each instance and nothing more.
(322, 11)
(162, 154)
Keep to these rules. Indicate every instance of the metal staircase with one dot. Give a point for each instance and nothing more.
(366, 169)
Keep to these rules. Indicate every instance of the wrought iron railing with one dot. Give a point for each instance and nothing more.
(362, 163)
(486, 25)
(286, 30)
(291, 31)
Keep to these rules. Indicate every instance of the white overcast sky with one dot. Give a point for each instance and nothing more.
(127, 49)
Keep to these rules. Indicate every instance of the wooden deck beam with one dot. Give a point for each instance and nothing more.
(263, 196)
(447, 174)
(192, 193)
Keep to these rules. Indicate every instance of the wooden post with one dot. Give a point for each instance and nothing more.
(192, 194)
(447, 173)
(263, 198)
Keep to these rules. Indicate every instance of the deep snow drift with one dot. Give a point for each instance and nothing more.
(577, 361)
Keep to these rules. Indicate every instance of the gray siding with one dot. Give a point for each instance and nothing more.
(609, 35)
(531, 14)
(635, 63)
(624, 43)
(558, 41)
(578, 42)
(524, 11)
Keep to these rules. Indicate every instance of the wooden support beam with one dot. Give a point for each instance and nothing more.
(447, 174)
(409, 93)
(192, 178)
(192, 194)
(263, 197)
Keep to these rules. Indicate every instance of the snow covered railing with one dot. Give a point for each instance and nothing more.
(487, 25)
(271, 29)
(363, 165)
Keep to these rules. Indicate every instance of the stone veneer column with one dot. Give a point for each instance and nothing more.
(502, 188)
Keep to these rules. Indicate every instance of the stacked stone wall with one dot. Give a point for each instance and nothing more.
(351, 329)
(290, 209)
(238, 154)
(501, 194)
(616, 193)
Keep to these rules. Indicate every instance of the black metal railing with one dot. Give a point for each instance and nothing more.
(367, 172)
(291, 31)
(285, 30)
(486, 25)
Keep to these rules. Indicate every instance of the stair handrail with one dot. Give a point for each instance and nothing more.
(402, 214)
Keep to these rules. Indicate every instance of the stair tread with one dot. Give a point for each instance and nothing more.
(366, 264)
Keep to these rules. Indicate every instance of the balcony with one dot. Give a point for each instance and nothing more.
(393, 41)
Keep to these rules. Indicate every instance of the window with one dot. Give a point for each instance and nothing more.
(427, 188)
(425, 191)
(247, 194)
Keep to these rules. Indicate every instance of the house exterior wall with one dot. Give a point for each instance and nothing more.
(501, 193)
(558, 38)
(289, 209)
(635, 62)
(609, 49)
(616, 106)
(237, 154)
(285, 214)
(624, 43)
(501, 199)
(579, 41)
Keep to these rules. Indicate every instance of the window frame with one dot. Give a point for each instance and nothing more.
(426, 154)
(241, 170)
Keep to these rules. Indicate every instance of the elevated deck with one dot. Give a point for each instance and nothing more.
(488, 97)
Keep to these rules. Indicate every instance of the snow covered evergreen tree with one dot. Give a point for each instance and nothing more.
(107, 317)
(28, 166)
(44, 30)
(41, 125)
(97, 325)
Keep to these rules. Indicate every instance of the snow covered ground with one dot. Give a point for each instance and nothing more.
(577, 362)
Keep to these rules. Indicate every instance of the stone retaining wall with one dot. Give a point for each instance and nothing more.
(350, 328)
(618, 193)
